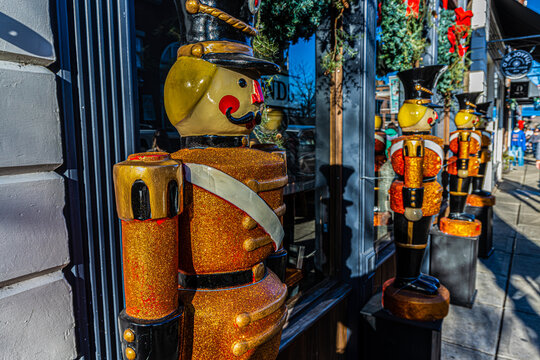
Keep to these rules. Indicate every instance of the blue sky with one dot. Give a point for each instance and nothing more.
(534, 5)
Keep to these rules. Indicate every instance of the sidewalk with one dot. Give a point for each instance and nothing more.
(504, 322)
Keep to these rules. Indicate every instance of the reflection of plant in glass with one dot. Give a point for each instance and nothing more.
(302, 87)
(283, 21)
(402, 41)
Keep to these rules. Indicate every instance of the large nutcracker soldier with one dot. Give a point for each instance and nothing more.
(463, 166)
(415, 197)
(380, 159)
(210, 256)
(480, 203)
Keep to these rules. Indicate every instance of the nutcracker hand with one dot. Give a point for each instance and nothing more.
(413, 214)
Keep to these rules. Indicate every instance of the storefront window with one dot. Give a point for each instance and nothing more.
(288, 122)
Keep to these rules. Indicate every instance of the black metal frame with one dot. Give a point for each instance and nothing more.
(98, 91)
(99, 96)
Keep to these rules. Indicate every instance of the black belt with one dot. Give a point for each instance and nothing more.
(424, 180)
(215, 141)
(216, 280)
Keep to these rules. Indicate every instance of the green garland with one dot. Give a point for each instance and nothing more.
(403, 40)
(452, 79)
(284, 21)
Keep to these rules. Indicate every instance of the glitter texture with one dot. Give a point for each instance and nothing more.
(461, 227)
(431, 165)
(214, 233)
(474, 165)
(432, 198)
(210, 328)
(432, 161)
(150, 263)
(480, 201)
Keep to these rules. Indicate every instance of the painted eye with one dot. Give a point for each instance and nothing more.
(254, 6)
(242, 83)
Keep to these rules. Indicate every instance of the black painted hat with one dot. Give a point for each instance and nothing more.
(467, 101)
(221, 32)
(419, 83)
(483, 109)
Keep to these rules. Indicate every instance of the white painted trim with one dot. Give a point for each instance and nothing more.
(432, 145)
(395, 147)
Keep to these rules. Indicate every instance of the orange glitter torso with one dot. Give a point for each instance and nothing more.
(431, 167)
(474, 152)
(432, 158)
(474, 146)
(216, 236)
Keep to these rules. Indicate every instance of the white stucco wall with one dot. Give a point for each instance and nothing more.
(36, 304)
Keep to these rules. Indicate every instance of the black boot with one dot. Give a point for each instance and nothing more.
(416, 284)
(409, 255)
(430, 279)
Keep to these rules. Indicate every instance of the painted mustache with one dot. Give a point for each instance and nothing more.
(248, 118)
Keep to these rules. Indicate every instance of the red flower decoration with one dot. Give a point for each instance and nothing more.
(460, 31)
(413, 6)
(463, 18)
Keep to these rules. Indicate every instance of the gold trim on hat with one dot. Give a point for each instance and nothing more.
(418, 101)
(470, 104)
(208, 47)
(195, 7)
(421, 88)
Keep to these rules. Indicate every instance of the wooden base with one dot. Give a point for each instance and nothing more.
(460, 227)
(413, 305)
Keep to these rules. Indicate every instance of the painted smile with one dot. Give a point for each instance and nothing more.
(249, 120)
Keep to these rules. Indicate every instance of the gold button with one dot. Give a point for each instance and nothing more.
(413, 204)
(130, 354)
(413, 198)
(413, 192)
(129, 336)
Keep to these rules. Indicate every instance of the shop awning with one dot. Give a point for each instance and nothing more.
(516, 20)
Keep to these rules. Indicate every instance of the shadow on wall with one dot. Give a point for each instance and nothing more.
(21, 36)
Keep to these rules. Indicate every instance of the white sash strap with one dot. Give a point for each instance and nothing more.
(476, 137)
(380, 138)
(433, 146)
(238, 194)
(395, 147)
(454, 136)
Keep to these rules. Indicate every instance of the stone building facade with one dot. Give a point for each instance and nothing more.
(36, 302)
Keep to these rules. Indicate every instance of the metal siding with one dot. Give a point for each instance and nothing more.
(99, 132)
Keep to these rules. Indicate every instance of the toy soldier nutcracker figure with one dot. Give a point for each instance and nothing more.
(232, 201)
(463, 166)
(380, 159)
(480, 203)
(415, 197)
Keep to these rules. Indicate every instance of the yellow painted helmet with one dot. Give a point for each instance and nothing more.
(378, 122)
(465, 118)
(187, 82)
(410, 114)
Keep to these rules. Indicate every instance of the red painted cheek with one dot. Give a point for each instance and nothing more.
(229, 101)
(430, 121)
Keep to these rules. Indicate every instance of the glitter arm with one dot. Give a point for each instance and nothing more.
(463, 154)
(148, 191)
(413, 189)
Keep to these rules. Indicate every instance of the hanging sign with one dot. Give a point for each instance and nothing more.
(519, 90)
(394, 94)
(516, 64)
